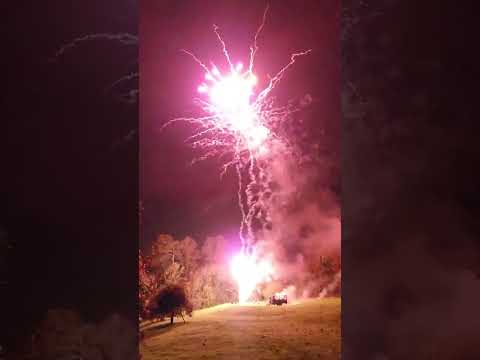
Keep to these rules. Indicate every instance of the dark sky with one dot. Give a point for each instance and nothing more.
(410, 230)
(182, 199)
(69, 197)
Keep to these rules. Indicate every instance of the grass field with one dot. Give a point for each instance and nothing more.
(306, 330)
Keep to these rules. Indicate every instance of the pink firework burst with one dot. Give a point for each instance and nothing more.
(240, 118)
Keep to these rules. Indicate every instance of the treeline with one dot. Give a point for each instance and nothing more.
(201, 271)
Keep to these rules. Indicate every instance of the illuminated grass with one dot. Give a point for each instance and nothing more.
(307, 330)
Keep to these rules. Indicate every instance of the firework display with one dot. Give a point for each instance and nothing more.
(240, 122)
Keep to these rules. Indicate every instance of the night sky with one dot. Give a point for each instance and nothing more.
(192, 200)
(69, 182)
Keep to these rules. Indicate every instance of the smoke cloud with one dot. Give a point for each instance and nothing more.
(304, 230)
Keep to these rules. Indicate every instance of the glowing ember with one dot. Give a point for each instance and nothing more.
(248, 271)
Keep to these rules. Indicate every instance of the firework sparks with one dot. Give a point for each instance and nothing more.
(241, 119)
(248, 271)
(230, 104)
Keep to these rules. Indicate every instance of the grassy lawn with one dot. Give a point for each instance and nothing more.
(305, 330)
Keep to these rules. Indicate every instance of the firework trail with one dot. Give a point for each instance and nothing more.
(240, 123)
(124, 39)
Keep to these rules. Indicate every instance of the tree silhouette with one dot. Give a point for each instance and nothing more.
(171, 301)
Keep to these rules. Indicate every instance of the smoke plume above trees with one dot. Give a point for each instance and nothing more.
(304, 235)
